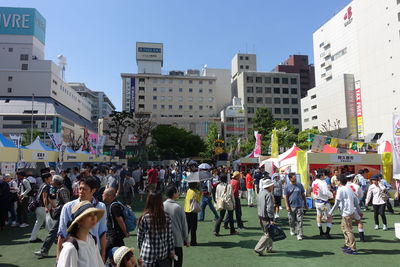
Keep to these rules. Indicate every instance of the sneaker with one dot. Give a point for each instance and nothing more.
(23, 225)
(350, 252)
(14, 224)
(384, 227)
(7, 223)
(345, 248)
(292, 233)
(276, 216)
(260, 253)
(328, 236)
(299, 237)
(41, 254)
(376, 227)
(37, 240)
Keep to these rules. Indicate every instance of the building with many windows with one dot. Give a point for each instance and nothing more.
(233, 119)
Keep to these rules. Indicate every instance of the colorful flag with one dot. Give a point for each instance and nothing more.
(334, 142)
(257, 148)
(274, 144)
(396, 146)
(318, 144)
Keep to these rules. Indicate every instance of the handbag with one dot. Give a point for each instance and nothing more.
(275, 233)
(194, 206)
(224, 202)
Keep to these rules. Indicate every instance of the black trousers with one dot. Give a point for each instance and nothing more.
(22, 210)
(379, 210)
(238, 214)
(179, 254)
(51, 237)
(221, 218)
(389, 206)
(191, 218)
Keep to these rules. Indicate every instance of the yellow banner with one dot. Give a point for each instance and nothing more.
(387, 161)
(302, 167)
(274, 144)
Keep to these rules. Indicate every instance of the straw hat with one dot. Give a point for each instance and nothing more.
(236, 173)
(82, 209)
(268, 183)
(120, 253)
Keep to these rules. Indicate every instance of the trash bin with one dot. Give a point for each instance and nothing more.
(310, 203)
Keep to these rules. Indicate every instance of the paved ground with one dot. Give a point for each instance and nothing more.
(382, 249)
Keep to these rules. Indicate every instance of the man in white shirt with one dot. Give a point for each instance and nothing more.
(359, 195)
(322, 194)
(350, 209)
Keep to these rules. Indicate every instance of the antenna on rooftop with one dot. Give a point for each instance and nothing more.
(62, 62)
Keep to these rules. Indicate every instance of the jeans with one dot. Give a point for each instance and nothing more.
(51, 237)
(179, 254)
(265, 242)
(221, 218)
(206, 200)
(22, 210)
(191, 218)
(40, 219)
(296, 220)
(238, 214)
(379, 210)
(250, 195)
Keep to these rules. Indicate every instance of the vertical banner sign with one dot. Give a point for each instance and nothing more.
(257, 148)
(318, 144)
(133, 86)
(274, 144)
(360, 119)
(56, 139)
(396, 146)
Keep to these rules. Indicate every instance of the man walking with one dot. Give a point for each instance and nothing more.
(178, 221)
(265, 207)
(152, 175)
(350, 209)
(359, 194)
(295, 200)
(322, 194)
(250, 189)
(206, 200)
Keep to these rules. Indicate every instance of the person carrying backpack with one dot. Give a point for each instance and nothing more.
(81, 249)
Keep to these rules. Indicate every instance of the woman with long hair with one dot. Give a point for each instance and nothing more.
(155, 240)
(192, 199)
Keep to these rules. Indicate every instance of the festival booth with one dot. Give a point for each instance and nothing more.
(286, 161)
(8, 150)
(246, 162)
(38, 152)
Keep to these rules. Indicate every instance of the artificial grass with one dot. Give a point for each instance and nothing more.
(381, 248)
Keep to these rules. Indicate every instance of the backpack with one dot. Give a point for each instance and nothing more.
(34, 189)
(129, 217)
(74, 242)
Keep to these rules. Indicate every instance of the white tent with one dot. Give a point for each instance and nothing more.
(284, 160)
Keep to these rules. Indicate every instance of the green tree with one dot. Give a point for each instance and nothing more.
(26, 137)
(212, 135)
(302, 138)
(117, 126)
(176, 143)
(263, 121)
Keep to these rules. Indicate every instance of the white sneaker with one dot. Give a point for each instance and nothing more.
(376, 227)
(299, 237)
(292, 233)
(14, 224)
(280, 208)
(23, 225)
(276, 216)
(384, 227)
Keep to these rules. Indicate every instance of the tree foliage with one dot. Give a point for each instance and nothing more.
(120, 122)
(263, 121)
(212, 135)
(302, 138)
(171, 142)
(26, 137)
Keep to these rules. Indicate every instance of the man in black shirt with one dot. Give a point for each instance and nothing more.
(116, 228)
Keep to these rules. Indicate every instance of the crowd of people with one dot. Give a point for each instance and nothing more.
(86, 210)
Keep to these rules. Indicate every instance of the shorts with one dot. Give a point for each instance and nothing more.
(322, 208)
(356, 216)
(278, 200)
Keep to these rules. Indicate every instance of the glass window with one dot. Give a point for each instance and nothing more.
(190, 90)
(285, 100)
(293, 91)
(277, 90)
(190, 107)
(154, 106)
(170, 98)
(268, 100)
(201, 99)
(277, 110)
(201, 107)
(170, 90)
(169, 106)
(247, 67)
(286, 111)
(180, 98)
(314, 107)
(277, 80)
(200, 82)
(295, 101)
(313, 96)
(10, 78)
(210, 99)
(154, 97)
(314, 118)
(247, 58)
(210, 82)
(250, 100)
(258, 79)
(200, 90)
(141, 89)
(295, 121)
(24, 67)
(259, 100)
(241, 67)
(162, 90)
(259, 90)
(190, 99)
(285, 91)
(285, 81)
(162, 98)
(295, 111)
(277, 100)
(250, 90)
(141, 105)
(155, 89)
(241, 57)
(180, 90)
(267, 79)
(180, 107)
(210, 90)
(293, 81)
(249, 79)
(268, 90)
(190, 81)
(250, 110)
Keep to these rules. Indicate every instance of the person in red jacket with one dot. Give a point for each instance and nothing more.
(152, 175)
(250, 189)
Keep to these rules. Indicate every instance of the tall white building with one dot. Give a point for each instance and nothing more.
(362, 43)
(29, 84)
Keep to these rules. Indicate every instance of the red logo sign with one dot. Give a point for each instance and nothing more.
(349, 14)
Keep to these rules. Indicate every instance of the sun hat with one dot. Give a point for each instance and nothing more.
(120, 253)
(82, 209)
(236, 173)
(268, 183)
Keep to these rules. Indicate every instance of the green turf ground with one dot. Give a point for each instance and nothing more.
(382, 248)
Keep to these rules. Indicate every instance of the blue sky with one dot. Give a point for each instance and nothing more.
(98, 37)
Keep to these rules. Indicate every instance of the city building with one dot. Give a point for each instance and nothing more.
(33, 93)
(360, 43)
(299, 64)
(233, 119)
(100, 103)
(278, 91)
(187, 99)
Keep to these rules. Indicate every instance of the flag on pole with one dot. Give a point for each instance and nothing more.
(274, 144)
(396, 146)
(257, 148)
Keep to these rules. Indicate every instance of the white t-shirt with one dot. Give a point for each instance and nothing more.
(320, 190)
(356, 189)
(88, 255)
(161, 174)
(346, 197)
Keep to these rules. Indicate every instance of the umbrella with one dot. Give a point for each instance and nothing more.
(204, 166)
(197, 177)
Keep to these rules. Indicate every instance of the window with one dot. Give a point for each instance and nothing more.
(210, 90)
(313, 107)
(170, 90)
(286, 111)
(9, 90)
(162, 98)
(259, 90)
(241, 57)
(169, 106)
(249, 79)
(180, 90)
(10, 78)
(10, 49)
(250, 90)
(155, 89)
(154, 97)
(259, 100)
(24, 57)
(200, 99)
(398, 16)
(190, 81)
(24, 67)
(277, 110)
(268, 90)
(210, 82)
(201, 107)
(210, 107)
(277, 90)
(306, 120)
(250, 100)
(305, 110)
(200, 90)
(267, 79)
(190, 99)
(154, 106)
(241, 67)
(180, 98)
(293, 91)
(285, 91)
(276, 80)
(268, 100)
(285, 100)
(313, 96)
(171, 81)
(162, 106)
(295, 111)
(141, 105)
(285, 81)
(190, 90)
(249, 120)
(258, 79)
(295, 101)
(141, 80)
(247, 67)
(180, 107)
(210, 99)
(277, 100)
(250, 110)
(247, 58)
(190, 107)
(141, 89)
(200, 82)
(293, 81)
(141, 97)
(314, 118)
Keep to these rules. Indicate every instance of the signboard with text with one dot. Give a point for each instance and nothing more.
(343, 158)
(149, 51)
(360, 117)
(40, 156)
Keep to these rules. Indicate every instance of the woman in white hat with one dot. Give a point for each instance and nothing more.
(124, 257)
(80, 249)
